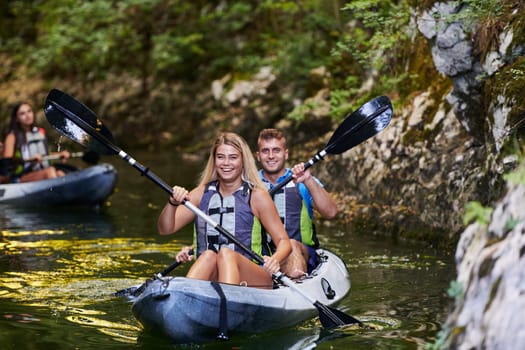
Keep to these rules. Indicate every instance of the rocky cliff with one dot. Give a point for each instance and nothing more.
(490, 296)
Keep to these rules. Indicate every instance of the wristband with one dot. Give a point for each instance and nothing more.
(171, 203)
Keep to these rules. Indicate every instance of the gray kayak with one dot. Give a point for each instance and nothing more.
(189, 310)
(90, 186)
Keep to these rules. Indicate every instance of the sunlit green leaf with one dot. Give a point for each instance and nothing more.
(476, 212)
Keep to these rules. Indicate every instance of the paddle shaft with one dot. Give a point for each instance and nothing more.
(136, 290)
(318, 157)
(172, 266)
(57, 156)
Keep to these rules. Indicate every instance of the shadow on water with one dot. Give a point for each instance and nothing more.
(81, 221)
(309, 335)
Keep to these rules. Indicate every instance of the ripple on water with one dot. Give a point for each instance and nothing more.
(122, 332)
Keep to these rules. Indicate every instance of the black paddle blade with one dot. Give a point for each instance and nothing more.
(133, 291)
(126, 292)
(136, 291)
(331, 318)
(360, 125)
(74, 120)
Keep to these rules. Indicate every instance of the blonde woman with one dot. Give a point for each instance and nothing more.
(232, 194)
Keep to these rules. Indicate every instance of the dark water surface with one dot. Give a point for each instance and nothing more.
(59, 268)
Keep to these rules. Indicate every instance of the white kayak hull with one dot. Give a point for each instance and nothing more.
(189, 310)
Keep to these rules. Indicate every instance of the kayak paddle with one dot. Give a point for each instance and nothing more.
(89, 157)
(360, 125)
(77, 122)
(137, 290)
(7, 165)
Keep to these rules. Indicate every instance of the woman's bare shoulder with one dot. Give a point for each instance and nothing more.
(261, 197)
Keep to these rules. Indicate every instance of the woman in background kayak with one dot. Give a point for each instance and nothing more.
(232, 194)
(26, 145)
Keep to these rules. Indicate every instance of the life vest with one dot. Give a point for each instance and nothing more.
(294, 213)
(234, 214)
(36, 144)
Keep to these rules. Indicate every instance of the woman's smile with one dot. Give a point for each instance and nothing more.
(228, 162)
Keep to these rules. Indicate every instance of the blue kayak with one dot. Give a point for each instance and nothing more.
(90, 186)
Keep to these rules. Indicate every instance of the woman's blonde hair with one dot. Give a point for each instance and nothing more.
(249, 171)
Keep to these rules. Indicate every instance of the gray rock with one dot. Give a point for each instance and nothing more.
(491, 268)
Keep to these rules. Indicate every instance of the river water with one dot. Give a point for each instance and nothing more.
(59, 269)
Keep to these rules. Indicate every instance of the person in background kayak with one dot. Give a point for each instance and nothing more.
(232, 194)
(295, 201)
(26, 144)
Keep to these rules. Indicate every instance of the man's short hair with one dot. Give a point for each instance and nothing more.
(270, 134)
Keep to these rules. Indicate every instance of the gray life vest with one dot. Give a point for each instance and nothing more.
(36, 144)
(234, 214)
(294, 214)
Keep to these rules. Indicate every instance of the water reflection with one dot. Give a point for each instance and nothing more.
(78, 270)
(120, 332)
(55, 274)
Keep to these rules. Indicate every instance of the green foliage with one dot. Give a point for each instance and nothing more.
(516, 177)
(170, 50)
(381, 29)
(375, 46)
(479, 11)
(290, 56)
(484, 19)
(90, 39)
(475, 211)
(340, 104)
(161, 41)
(300, 112)
(166, 39)
(290, 7)
(455, 290)
(511, 223)
(441, 340)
